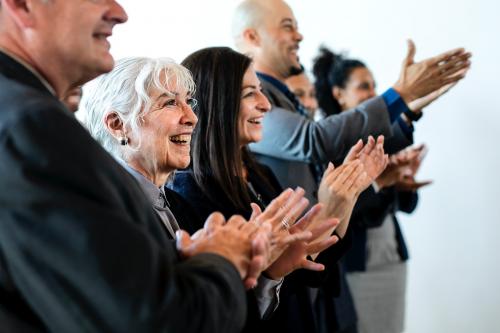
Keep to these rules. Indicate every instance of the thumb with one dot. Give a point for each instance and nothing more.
(410, 55)
(182, 242)
(256, 211)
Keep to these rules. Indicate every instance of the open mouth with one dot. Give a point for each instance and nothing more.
(181, 139)
(256, 121)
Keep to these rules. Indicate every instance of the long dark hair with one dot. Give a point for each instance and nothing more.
(216, 153)
(331, 70)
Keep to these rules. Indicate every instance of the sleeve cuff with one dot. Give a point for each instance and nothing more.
(267, 294)
(395, 104)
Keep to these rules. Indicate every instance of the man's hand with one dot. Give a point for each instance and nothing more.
(419, 79)
(245, 245)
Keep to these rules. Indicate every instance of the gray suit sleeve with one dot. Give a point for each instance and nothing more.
(288, 135)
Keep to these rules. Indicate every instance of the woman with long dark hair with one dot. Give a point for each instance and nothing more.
(225, 177)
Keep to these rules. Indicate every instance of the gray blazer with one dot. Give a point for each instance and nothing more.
(293, 144)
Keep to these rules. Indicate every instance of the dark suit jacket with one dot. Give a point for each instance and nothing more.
(296, 312)
(81, 249)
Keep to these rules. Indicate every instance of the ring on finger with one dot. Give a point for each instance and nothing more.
(285, 223)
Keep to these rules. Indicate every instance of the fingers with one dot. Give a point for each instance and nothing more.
(445, 56)
(182, 242)
(322, 245)
(254, 269)
(256, 211)
(301, 236)
(238, 222)
(325, 225)
(276, 204)
(215, 220)
(370, 144)
(349, 174)
(410, 55)
(306, 220)
(312, 266)
(354, 151)
(454, 65)
(296, 210)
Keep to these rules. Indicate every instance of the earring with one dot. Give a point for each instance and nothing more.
(124, 141)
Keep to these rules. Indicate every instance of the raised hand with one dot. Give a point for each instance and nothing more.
(419, 79)
(372, 157)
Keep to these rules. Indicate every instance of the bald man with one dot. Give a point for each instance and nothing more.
(293, 144)
(295, 147)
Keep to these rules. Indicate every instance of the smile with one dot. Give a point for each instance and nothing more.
(181, 139)
(256, 121)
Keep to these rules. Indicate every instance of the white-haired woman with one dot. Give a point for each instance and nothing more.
(141, 112)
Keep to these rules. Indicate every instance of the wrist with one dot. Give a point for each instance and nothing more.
(405, 95)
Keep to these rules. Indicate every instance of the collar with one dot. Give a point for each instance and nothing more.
(155, 194)
(275, 82)
(31, 69)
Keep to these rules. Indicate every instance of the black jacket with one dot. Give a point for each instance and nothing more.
(81, 249)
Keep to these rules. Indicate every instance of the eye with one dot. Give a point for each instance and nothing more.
(192, 102)
(248, 94)
(170, 102)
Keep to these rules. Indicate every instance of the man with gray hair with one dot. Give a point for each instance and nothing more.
(296, 147)
(81, 249)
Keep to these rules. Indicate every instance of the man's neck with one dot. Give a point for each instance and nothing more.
(24, 60)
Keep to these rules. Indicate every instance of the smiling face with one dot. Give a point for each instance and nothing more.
(164, 136)
(253, 106)
(359, 87)
(279, 41)
(303, 89)
(73, 36)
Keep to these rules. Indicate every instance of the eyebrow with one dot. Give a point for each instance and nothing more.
(287, 20)
(249, 86)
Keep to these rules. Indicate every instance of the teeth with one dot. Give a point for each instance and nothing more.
(254, 121)
(182, 138)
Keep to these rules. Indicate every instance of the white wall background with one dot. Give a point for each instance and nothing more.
(454, 235)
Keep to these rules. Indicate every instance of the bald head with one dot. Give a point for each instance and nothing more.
(267, 31)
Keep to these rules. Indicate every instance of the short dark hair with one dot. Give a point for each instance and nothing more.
(216, 153)
(331, 70)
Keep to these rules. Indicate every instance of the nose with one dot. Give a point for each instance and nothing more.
(263, 103)
(298, 36)
(371, 92)
(189, 118)
(116, 13)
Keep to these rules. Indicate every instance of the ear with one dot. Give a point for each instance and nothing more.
(115, 125)
(21, 11)
(338, 94)
(251, 36)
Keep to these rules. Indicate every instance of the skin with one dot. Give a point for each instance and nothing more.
(253, 107)
(303, 89)
(275, 42)
(80, 49)
(169, 118)
(360, 86)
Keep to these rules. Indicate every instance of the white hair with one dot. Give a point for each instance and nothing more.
(126, 91)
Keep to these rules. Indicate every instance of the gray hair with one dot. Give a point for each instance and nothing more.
(126, 91)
